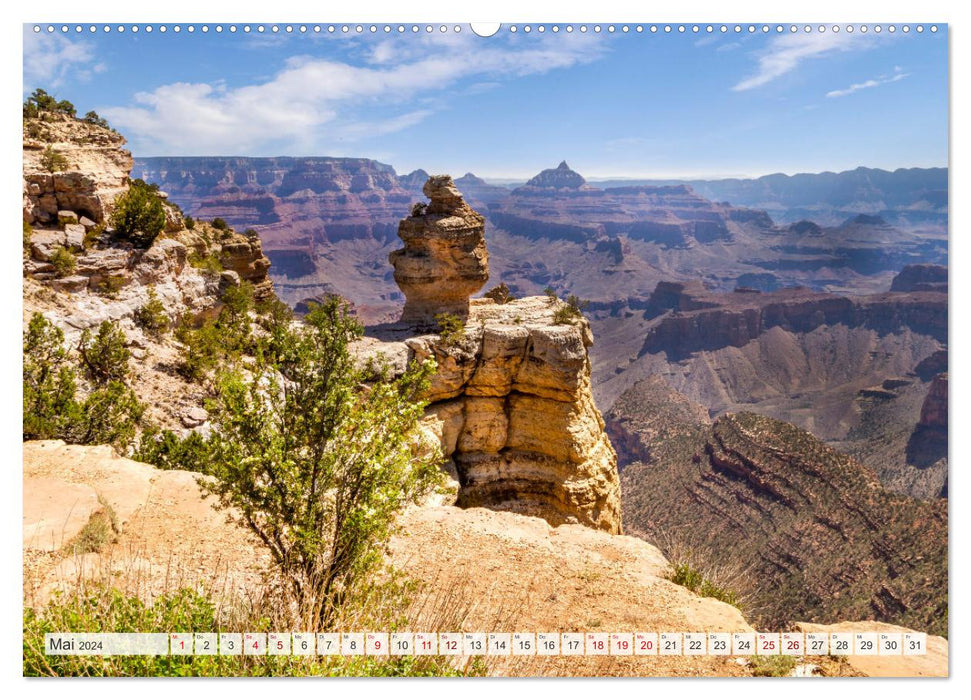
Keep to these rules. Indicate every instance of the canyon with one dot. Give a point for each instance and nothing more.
(839, 329)
(801, 316)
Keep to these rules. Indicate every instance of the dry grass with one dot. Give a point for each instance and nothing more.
(693, 568)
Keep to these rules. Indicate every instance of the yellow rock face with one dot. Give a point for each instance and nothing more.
(512, 411)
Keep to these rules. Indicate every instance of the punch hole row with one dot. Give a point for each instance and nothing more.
(513, 29)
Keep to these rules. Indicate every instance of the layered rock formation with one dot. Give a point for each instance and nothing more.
(701, 320)
(903, 196)
(327, 224)
(444, 260)
(243, 254)
(96, 169)
(808, 531)
(511, 408)
(510, 403)
(920, 278)
(110, 280)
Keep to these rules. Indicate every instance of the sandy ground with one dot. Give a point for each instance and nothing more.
(476, 570)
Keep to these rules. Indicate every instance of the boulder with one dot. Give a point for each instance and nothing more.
(74, 236)
(74, 283)
(194, 416)
(44, 243)
(65, 217)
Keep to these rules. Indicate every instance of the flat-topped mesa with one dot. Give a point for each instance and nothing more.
(444, 261)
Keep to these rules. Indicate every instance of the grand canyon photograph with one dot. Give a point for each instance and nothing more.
(443, 352)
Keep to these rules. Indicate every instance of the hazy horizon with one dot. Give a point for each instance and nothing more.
(519, 179)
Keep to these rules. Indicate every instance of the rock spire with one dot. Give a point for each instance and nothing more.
(444, 261)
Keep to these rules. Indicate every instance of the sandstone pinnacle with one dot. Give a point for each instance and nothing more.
(444, 261)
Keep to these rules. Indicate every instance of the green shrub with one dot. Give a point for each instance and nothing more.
(138, 216)
(211, 345)
(28, 230)
(65, 107)
(777, 666)
(36, 131)
(166, 450)
(93, 118)
(110, 286)
(52, 161)
(220, 224)
(215, 342)
(209, 262)
(190, 223)
(570, 311)
(152, 316)
(451, 328)
(551, 296)
(49, 381)
(108, 415)
(64, 261)
(317, 467)
(92, 236)
(105, 356)
(41, 100)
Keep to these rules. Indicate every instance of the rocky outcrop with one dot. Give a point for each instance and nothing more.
(511, 408)
(510, 403)
(96, 169)
(243, 254)
(920, 278)
(444, 260)
(933, 414)
(699, 320)
(325, 223)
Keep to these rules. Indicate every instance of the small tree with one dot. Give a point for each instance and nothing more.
(138, 215)
(108, 415)
(220, 224)
(42, 100)
(105, 356)
(52, 161)
(152, 316)
(64, 261)
(315, 465)
(570, 311)
(65, 107)
(451, 328)
(49, 381)
(93, 118)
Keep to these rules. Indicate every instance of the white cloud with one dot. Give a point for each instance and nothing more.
(785, 53)
(51, 60)
(898, 74)
(313, 102)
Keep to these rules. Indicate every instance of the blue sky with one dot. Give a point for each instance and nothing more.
(624, 105)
